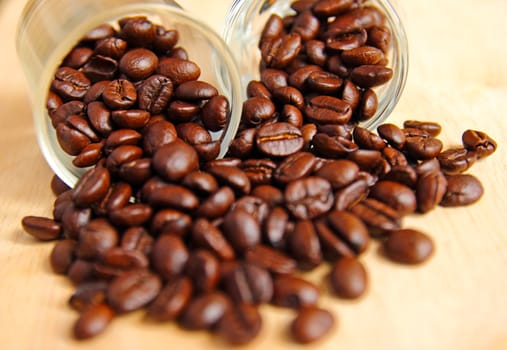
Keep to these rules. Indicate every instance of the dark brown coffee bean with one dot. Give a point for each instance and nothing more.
(329, 8)
(279, 139)
(392, 134)
(379, 217)
(339, 173)
(275, 227)
(295, 166)
(155, 93)
(80, 271)
(119, 94)
(367, 106)
(403, 174)
(133, 290)
(349, 229)
(217, 204)
(130, 119)
(94, 93)
(169, 256)
(316, 52)
(231, 176)
(138, 31)
(96, 238)
(269, 194)
(379, 37)
(311, 324)
(279, 52)
(73, 219)
(430, 190)
(81, 124)
(333, 246)
(111, 47)
(138, 64)
(309, 131)
(117, 197)
(294, 292)
(204, 311)
(53, 102)
(328, 110)
(408, 246)
(254, 206)
(394, 157)
(309, 197)
(78, 57)
(272, 29)
(100, 32)
(240, 324)
(427, 166)
(270, 259)
(175, 197)
(306, 25)
(203, 269)
(303, 244)
(137, 238)
(347, 40)
(100, 117)
(71, 140)
(200, 182)
(456, 160)
(243, 144)
(323, 82)
(179, 52)
(365, 55)
(175, 160)
(367, 139)
(361, 17)
(178, 70)
(259, 171)
(89, 156)
(121, 155)
(241, 229)
(62, 255)
(44, 229)
(158, 134)
(88, 294)
(100, 68)
(117, 261)
(292, 115)
(348, 278)
(93, 321)
(432, 128)
(249, 283)
(479, 142)
(421, 148)
(206, 235)
(61, 203)
(137, 171)
(92, 186)
(257, 109)
(273, 78)
(195, 90)
(171, 221)
(370, 161)
(172, 300)
(462, 189)
(182, 111)
(367, 76)
(70, 84)
(165, 39)
(131, 215)
(398, 196)
(215, 113)
(257, 89)
(298, 78)
(289, 95)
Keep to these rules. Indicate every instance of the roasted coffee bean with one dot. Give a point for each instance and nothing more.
(80, 271)
(249, 283)
(121, 155)
(165, 39)
(394, 157)
(78, 57)
(44, 229)
(309, 197)
(328, 110)
(94, 93)
(431, 188)
(295, 166)
(117, 261)
(427, 166)
(53, 102)
(298, 78)
(279, 52)
(71, 140)
(206, 235)
(155, 93)
(100, 117)
(89, 156)
(403, 174)
(432, 128)
(93, 321)
(271, 259)
(361, 17)
(479, 142)
(111, 47)
(100, 68)
(204, 311)
(348, 278)
(304, 246)
(175, 160)
(240, 324)
(175, 197)
(170, 221)
(421, 148)
(309, 131)
(231, 176)
(80, 124)
(346, 40)
(392, 134)
(257, 109)
(367, 139)
(215, 113)
(349, 229)
(208, 151)
(200, 182)
(269, 194)
(272, 29)
(274, 78)
(259, 171)
(130, 119)
(275, 227)
(279, 139)
(257, 89)
(172, 300)
(254, 206)
(92, 186)
(182, 111)
(133, 290)
(323, 82)
(333, 246)
(462, 189)
(370, 161)
(137, 238)
(289, 95)
(158, 134)
(362, 56)
(195, 91)
(136, 172)
(178, 70)
(306, 25)
(243, 144)
(368, 76)
(379, 217)
(62, 256)
(73, 219)
(179, 52)
(351, 94)
(294, 292)
(131, 215)
(398, 196)
(379, 37)
(96, 238)
(339, 173)
(88, 294)
(117, 197)
(119, 94)
(203, 269)
(456, 160)
(217, 204)
(367, 105)
(138, 31)
(292, 115)
(311, 324)
(241, 229)
(169, 256)
(316, 52)
(70, 84)
(138, 64)
(408, 246)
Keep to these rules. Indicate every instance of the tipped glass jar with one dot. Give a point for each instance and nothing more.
(50, 29)
(359, 44)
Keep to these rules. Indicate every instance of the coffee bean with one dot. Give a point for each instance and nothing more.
(175, 197)
(421, 148)
(111, 47)
(292, 115)
(249, 283)
(80, 271)
(206, 235)
(403, 174)
(200, 182)
(92, 186)
(392, 134)
(131, 215)
(155, 93)
(316, 52)
(169, 256)
(90, 155)
(367, 106)
(88, 294)
(397, 196)
(175, 160)
(165, 39)
(279, 52)
(339, 172)
(309, 197)
(379, 217)
(379, 37)
(73, 219)
(100, 68)
(298, 78)
(41, 228)
(257, 109)
(306, 25)
(137, 238)
(195, 90)
(240, 324)
(367, 139)
(178, 70)
(295, 166)
(348, 278)
(303, 244)
(62, 256)
(254, 206)
(257, 89)
(70, 84)
(171, 221)
(360, 17)
(479, 142)
(217, 204)
(118, 196)
(215, 113)
(370, 161)
(432, 128)
(231, 176)
(289, 95)
(172, 300)
(367, 76)
(427, 167)
(259, 171)
(273, 78)
(204, 311)
(462, 189)
(96, 238)
(271, 259)
(93, 321)
(94, 93)
(241, 229)
(121, 137)
(182, 111)
(394, 157)
(294, 292)
(158, 134)
(71, 140)
(78, 57)
(408, 246)
(133, 290)
(311, 324)
(430, 190)
(346, 40)
(203, 269)
(138, 31)
(119, 94)
(349, 229)
(328, 110)
(456, 160)
(138, 64)
(269, 194)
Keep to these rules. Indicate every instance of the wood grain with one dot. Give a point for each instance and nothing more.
(458, 77)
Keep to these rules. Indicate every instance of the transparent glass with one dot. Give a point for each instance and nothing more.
(246, 18)
(48, 29)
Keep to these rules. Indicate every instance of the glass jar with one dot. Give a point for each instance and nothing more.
(246, 19)
(48, 30)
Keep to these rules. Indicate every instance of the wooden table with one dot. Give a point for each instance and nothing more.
(458, 77)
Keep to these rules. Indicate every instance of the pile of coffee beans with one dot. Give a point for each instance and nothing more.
(157, 224)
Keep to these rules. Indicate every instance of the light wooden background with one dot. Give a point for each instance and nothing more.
(458, 77)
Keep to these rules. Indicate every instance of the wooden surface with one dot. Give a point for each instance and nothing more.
(458, 77)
